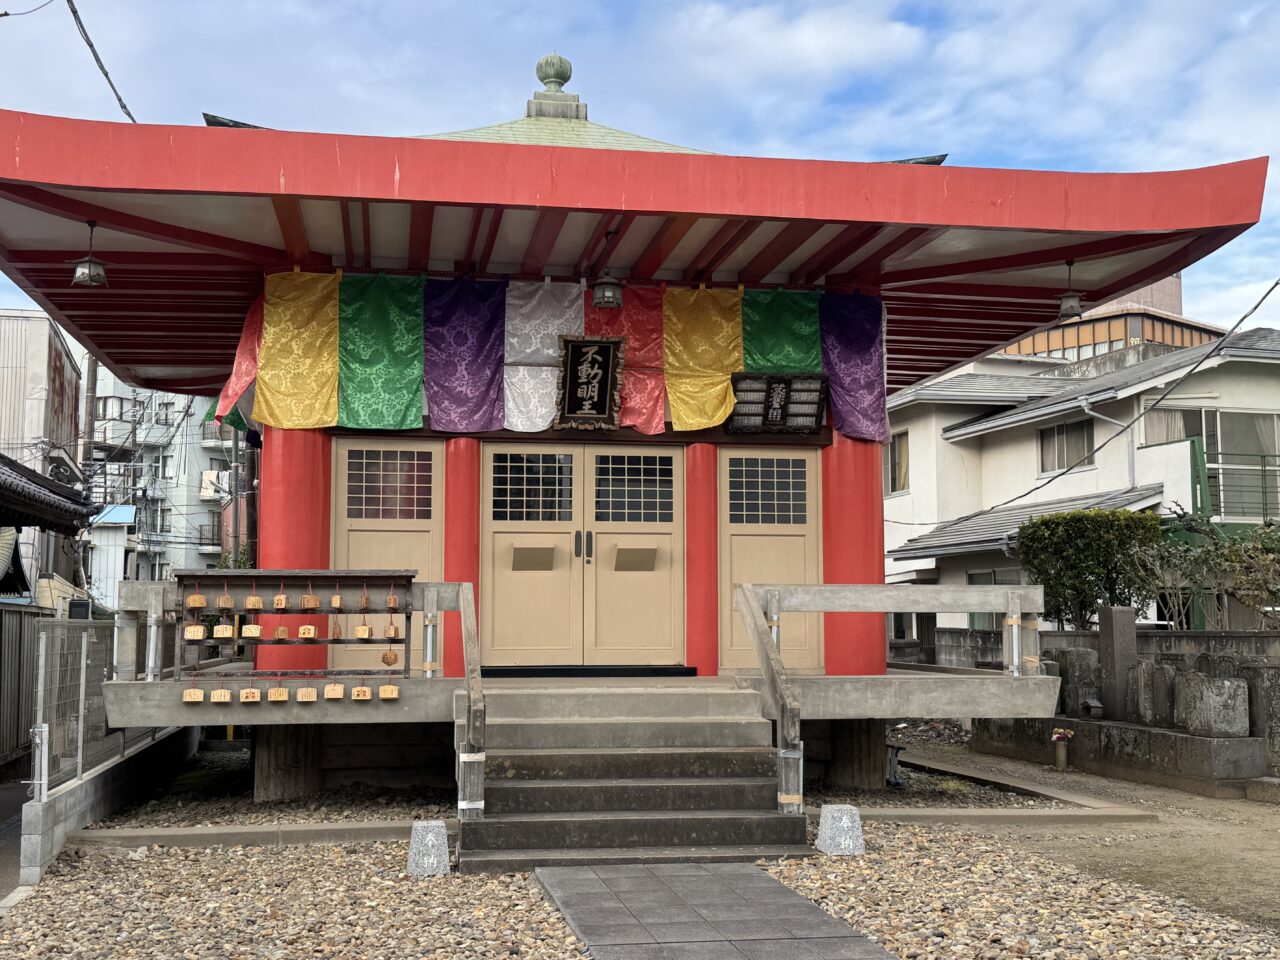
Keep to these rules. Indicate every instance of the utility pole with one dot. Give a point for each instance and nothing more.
(85, 453)
(251, 503)
(235, 498)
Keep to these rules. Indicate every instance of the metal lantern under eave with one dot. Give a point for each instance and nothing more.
(89, 272)
(606, 292)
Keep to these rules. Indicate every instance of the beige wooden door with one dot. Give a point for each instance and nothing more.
(388, 510)
(769, 533)
(634, 555)
(531, 543)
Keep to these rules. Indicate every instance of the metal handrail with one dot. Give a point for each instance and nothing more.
(783, 701)
(471, 759)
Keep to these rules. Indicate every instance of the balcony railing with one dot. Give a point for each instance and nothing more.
(209, 535)
(216, 431)
(1243, 487)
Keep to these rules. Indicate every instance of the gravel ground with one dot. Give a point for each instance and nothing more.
(913, 732)
(217, 789)
(279, 903)
(929, 790)
(938, 894)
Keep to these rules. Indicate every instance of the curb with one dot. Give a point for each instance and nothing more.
(15, 897)
(250, 835)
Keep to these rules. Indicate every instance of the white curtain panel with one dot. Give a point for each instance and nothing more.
(537, 314)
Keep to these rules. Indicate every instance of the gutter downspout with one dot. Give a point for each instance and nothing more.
(1133, 447)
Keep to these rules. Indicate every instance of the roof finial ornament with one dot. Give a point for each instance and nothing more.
(553, 102)
(554, 71)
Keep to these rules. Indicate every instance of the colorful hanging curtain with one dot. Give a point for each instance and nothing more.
(463, 340)
(233, 418)
(380, 352)
(702, 346)
(852, 327)
(245, 368)
(639, 321)
(536, 316)
(298, 359)
(780, 332)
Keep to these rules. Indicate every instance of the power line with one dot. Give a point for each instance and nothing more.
(23, 13)
(98, 60)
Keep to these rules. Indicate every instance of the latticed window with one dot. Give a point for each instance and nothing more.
(768, 490)
(389, 484)
(635, 488)
(533, 486)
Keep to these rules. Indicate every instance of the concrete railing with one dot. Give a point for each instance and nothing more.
(1021, 606)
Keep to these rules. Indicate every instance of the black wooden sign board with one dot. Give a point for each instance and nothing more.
(778, 403)
(589, 392)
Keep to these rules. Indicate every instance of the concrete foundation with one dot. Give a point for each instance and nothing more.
(1210, 766)
(69, 807)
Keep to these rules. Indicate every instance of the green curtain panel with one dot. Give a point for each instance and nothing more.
(780, 332)
(380, 352)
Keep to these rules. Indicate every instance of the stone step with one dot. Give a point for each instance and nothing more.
(522, 861)
(582, 763)
(626, 732)
(569, 796)
(652, 828)
(603, 702)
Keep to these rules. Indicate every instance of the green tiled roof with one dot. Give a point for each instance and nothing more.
(557, 132)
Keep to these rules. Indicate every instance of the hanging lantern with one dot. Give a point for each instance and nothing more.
(606, 292)
(89, 271)
(1070, 302)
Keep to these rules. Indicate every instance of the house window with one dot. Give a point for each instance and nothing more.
(166, 520)
(1066, 444)
(166, 467)
(897, 464)
(1009, 576)
(164, 413)
(1165, 425)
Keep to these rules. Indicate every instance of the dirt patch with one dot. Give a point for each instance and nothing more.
(1223, 855)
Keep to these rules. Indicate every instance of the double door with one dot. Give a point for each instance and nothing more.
(582, 555)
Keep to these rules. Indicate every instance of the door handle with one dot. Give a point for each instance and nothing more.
(577, 543)
(590, 546)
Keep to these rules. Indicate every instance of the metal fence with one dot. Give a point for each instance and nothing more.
(17, 678)
(70, 736)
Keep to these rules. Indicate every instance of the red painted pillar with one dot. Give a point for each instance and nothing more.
(853, 551)
(461, 535)
(702, 578)
(294, 510)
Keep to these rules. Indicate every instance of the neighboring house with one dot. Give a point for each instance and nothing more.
(113, 556)
(154, 453)
(39, 429)
(966, 442)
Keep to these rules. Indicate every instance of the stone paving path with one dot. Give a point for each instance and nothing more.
(694, 911)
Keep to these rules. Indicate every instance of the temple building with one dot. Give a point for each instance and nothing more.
(602, 379)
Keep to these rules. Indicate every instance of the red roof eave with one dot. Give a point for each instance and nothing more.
(89, 154)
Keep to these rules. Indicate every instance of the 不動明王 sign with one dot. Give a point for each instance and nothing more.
(589, 393)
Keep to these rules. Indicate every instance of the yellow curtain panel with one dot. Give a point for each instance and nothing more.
(298, 361)
(702, 347)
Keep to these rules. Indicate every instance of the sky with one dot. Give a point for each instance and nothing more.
(1070, 85)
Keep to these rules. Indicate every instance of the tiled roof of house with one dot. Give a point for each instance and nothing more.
(996, 529)
(28, 499)
(988, 389)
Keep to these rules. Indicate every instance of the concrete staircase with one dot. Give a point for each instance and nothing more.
(596, 772)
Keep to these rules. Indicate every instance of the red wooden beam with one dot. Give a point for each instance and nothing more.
(367, 231)
(421, 218)
(69, 208)
(664, 240)
(348, 244)
(726, 249)
(840, 248)
(1089, 250)
(1180, 259)
(977, 291)
(543, 240)
(154, 260)
(867, 270)
(593, 243)
(613, 238)
(491, 238)
(293, 231)
(467, 264)
(784, 244)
